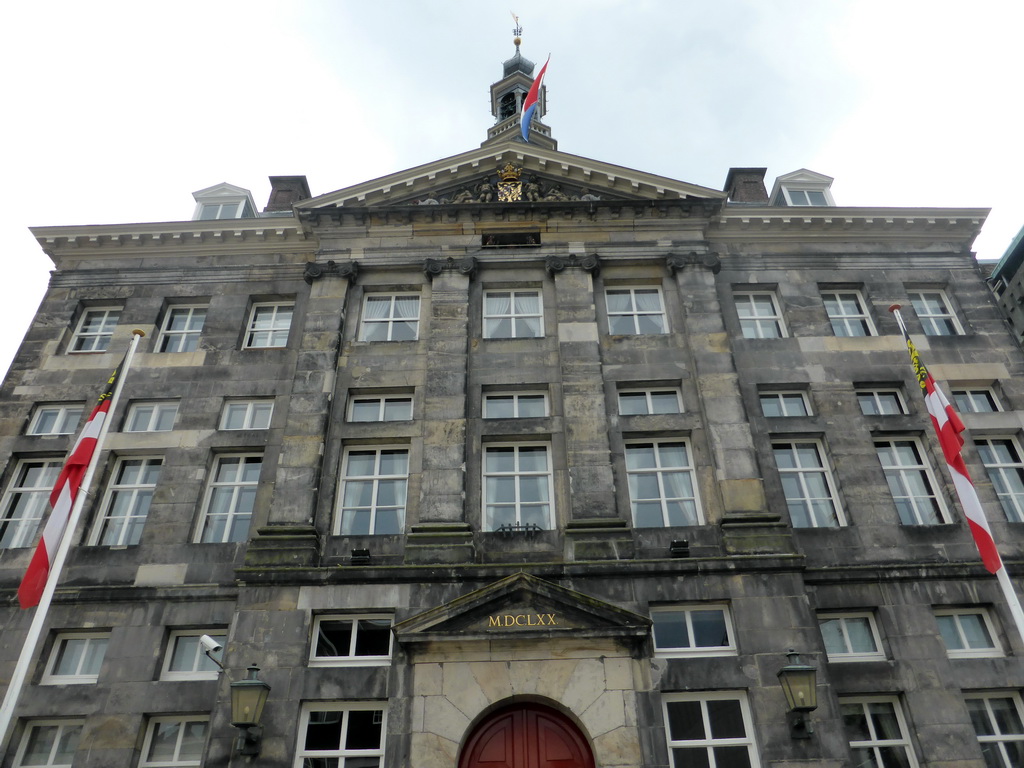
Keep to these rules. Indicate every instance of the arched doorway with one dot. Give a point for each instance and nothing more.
(526, 736)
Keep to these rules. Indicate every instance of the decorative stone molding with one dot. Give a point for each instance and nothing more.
(315, 270)
(587, 262)
(676, 262)
(465, 266)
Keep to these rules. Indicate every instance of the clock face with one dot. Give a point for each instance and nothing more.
(510, 191)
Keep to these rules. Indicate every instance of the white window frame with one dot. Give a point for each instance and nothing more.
(844, 322)
(753, 324)
(938, 320)
(996, 739)
(518, 319)
(783, 397)
(390, 321)
(802, 474)
(687, 612)
(90, 641)
(160, 409)
(659, 471)
(876, 396)
(176, 761)
(1006, 475)
(709, 743)
(202, 667)
(252, 409)
(874, 742)
(67, 418)
(793, 199)
(971, 396)
(139, 496)
(648, 394)
(635, 313)
(341, 753)
(63, 726)
(519, 475)
(901, 472)
(383, 402)
(238, 489)
(84, 342)
(182, 339)
(967, 651)
(491, 398)
(273, 335)
(842, 620)
(351, 658)
(37, 502)
(400, 507)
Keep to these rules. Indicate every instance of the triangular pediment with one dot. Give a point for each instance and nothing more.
(474, 177)
(523, 606)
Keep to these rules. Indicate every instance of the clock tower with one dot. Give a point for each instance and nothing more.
(507, 96)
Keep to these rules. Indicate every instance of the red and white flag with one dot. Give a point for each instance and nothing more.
(62, 499)
(948, 428)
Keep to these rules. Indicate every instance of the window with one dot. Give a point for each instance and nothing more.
(390, 318)
(846, 313)
(127, 501)
(174, 741)
(49, 743)
(351, 639)
(151, 416)
(181, 329)
(633, 311)
(933, 310)
(910, 482)
(247, 414)
(967, 632)
(340, 734)
(997, 721)
(710, 729)
(759, 315)
(186, 657)
(95, 330)
(881, 402)
(380, 408)
(515, 405)
(807, 485)
(642, 402)
(76, 658)
(661, 488)
(230, 497)
(777, 404)
(692, 630)
(877, 732)
(979, 400)
(850, 636)
(517, 486)
(1002, 459)
(513, 315)
(373, 491)
(27, 500)
(55, 419)
(269, 325)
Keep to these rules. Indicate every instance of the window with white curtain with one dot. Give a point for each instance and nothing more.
(390, 317)
(513, 315)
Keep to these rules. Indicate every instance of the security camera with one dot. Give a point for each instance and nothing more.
(211, 645)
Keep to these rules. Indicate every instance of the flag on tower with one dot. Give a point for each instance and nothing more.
(62, 498)
(948, 427)
(531, 102)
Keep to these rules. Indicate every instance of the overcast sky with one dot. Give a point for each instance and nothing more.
(117, 111)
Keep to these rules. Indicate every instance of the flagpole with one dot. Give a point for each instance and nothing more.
(970, 504)
(29, 648)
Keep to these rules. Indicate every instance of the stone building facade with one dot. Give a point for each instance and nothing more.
(519, 458)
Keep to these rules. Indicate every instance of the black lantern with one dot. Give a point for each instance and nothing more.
(247, 699)
(799, 683)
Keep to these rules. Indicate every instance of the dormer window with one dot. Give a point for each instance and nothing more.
(233, 210)
(223, 201)
(802, 188)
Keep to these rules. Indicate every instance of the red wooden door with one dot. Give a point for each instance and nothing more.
(526, 736)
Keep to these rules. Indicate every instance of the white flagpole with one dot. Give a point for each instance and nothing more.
(1009, 593)
(29, 648)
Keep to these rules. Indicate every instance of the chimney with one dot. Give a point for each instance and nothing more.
(746, 185)
(286, 191)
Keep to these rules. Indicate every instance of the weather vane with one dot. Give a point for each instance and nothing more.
(518, 31)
